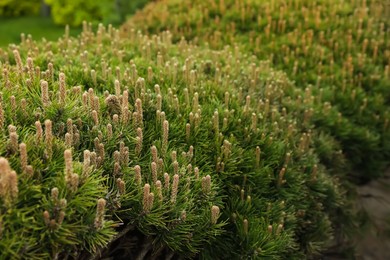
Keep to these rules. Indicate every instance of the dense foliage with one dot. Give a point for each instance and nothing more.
(140, 148)
(74, 12)
(337, 49)
(18, 8)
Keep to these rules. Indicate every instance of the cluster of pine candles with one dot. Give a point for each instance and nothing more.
(146, 149)
(338, 48)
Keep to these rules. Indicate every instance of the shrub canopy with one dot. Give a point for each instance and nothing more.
(140, 147)
(337, 49)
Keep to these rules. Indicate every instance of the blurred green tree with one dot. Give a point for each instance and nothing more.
(74, 12)
(18, 8)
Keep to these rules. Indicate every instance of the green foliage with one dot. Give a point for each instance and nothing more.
(140, 116)
(74, 13)
(19, 8)
(336, 50)
(105, 11)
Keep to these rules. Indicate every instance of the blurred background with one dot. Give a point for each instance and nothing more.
(47, 18)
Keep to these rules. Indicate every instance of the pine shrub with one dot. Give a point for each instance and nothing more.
(139, 148)
(338, 49)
